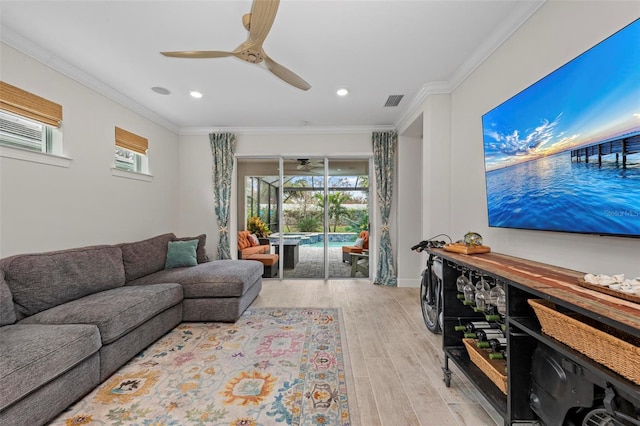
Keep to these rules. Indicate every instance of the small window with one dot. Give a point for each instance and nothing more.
(23, 133)
(28, 121)
(131, 152)
(128, 160)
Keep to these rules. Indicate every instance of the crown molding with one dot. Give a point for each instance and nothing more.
(490, 45)
(434, 88)
(15, 40)
(494, 41)
(303, 130)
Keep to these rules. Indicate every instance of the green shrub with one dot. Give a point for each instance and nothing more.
(309, 224)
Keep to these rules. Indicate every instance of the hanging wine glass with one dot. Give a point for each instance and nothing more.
(482, 295)
(496, 292)
(481, 300)
(461, 282)
(482, 285)
(501, 304)
(501, 298)
(470, 290)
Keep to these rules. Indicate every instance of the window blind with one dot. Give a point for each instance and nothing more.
(131, 141)
(26, 104)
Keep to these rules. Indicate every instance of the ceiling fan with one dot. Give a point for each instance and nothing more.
(258, 23)
(306, 164)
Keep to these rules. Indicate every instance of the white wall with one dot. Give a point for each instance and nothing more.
(432, 171)
(45, 207)
(196, 215)
(196, 198)
(557, 33)
(409, 211)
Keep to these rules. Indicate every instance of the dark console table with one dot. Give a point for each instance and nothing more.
(290, 252)
(522, 280)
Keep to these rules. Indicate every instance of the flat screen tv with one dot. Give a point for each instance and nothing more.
(564, 154)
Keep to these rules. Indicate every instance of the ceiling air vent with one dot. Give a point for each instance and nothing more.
(393, 100)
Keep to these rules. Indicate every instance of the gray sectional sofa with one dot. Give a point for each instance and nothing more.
(69, 319)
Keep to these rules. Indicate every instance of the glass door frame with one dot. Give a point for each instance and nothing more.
(326, 225)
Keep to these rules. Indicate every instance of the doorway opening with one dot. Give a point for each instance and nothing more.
(315, 209)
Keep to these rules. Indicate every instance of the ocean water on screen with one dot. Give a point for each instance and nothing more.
(553, 193)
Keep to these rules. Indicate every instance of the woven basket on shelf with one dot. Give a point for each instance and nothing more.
(608, 346)
(493, 368)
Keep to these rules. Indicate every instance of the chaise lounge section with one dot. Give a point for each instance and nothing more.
(69, 319)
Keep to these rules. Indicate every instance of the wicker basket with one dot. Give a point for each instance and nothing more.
(608, 346)
(493, 368)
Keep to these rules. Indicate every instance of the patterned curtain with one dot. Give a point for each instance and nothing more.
(222, 148)
(384, 153)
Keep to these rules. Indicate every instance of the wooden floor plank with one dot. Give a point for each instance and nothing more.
(392, 401)
(367, 407)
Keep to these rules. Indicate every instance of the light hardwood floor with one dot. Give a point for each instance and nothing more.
(396, 361)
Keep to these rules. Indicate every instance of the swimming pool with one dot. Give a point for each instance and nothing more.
(331, 244)
(336, 239)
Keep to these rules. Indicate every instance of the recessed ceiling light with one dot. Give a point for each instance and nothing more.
(342, 92)
(195, 94)
(160, 90)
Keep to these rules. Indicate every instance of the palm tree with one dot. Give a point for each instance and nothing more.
(336, 208)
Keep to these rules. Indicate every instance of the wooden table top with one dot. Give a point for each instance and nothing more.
(553, 281)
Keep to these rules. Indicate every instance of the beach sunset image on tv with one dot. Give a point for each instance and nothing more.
(564, 154)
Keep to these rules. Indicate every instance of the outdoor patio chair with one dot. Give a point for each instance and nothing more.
(361, 244)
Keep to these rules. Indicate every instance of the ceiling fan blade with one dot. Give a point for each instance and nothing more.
(285, 74)
(263, 13)
(198, 54)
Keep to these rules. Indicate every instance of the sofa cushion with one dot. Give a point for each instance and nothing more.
(40, 353)
(218, 278)
(201, 252)
(44, 280)
(243, 240)
(247, 252)
(145, 257)
(116, 311)
(7, 311)
(181, 253)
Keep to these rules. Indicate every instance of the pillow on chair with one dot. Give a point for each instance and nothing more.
(359, 243)
(253, 240)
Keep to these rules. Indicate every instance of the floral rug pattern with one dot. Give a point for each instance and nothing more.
(273, 366)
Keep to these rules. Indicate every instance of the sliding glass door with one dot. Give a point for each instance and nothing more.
(348, 215)
(315, 210)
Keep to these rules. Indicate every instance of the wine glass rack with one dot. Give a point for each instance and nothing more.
(523, 280)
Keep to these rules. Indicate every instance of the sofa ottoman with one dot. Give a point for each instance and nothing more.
(219, 290)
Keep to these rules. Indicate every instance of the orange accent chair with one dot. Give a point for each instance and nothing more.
(347, 250)
(247, 248)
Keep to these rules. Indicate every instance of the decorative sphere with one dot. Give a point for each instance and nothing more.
(473, 239)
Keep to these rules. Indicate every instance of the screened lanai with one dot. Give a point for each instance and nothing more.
(310, 214)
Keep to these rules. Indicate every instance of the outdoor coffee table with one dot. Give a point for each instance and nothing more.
(290, 253)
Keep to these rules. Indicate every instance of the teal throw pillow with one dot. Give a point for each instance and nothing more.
(181, 253)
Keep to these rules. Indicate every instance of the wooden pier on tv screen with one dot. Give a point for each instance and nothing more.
(621, 147)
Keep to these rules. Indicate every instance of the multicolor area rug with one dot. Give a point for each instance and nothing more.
(273, 366)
